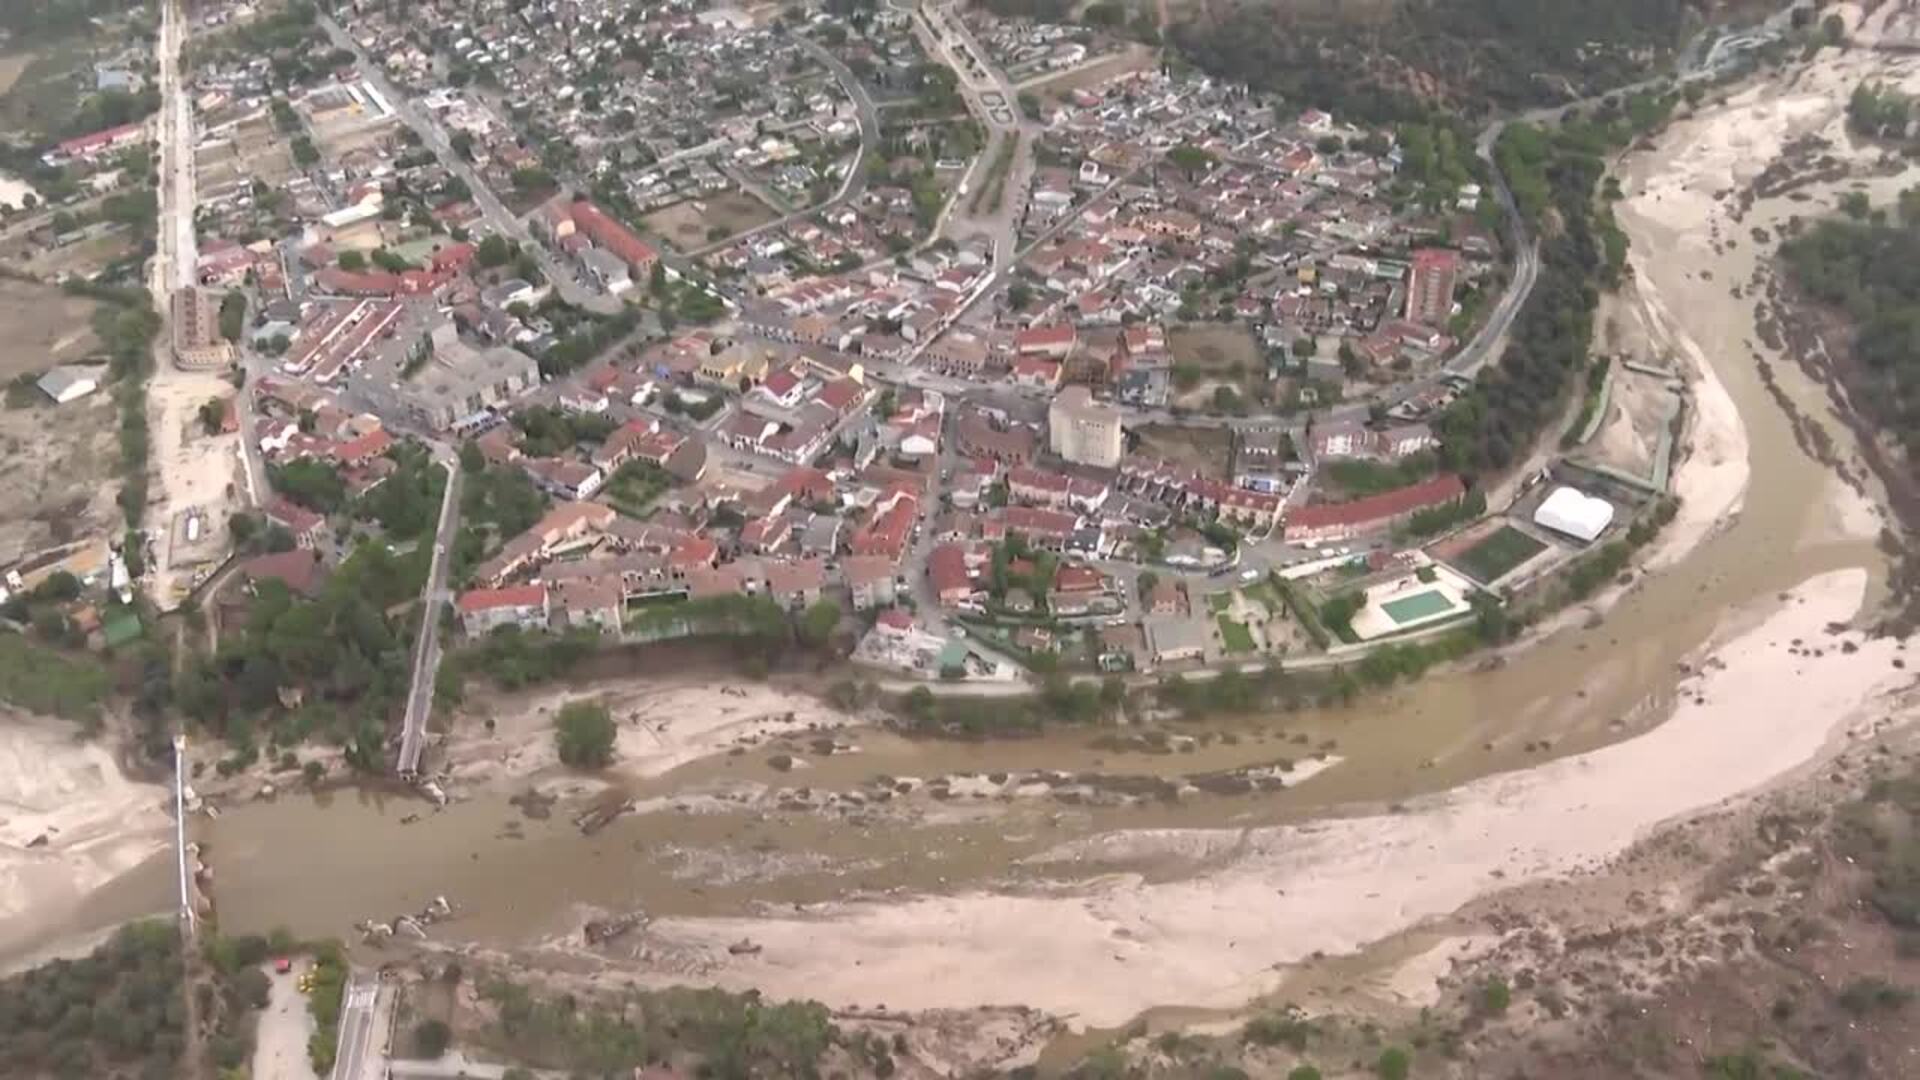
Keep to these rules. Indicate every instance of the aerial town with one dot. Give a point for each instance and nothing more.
(1149, 398)
(992, 352)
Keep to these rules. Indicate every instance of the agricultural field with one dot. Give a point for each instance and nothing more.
(42, 326)
(696, 223)
(57, 467)
(1498, 554)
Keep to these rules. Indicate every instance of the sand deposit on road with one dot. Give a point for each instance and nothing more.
(69, 823)
(1105, 953)
(196, 471)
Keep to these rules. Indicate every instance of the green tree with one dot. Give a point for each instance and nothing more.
(1394, 1064)
(1304, 1072)
(494, 251)
(584, 734)
(431, 1038)
(233, 314)
(816, 626)
(1191, 160)
(1495, 996)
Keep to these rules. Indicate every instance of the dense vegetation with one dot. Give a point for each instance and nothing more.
(734, 1036)
(584, 734)
(41, 680)
(334, 666)
(1060, 700)
(1399, 59)
(1553, 174)
(120, 1011)
(1871, 270)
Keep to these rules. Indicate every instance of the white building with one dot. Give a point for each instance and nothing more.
(1574, 513)
(1085, 431)
(70, 382)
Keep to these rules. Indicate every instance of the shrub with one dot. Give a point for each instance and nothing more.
(584, 735)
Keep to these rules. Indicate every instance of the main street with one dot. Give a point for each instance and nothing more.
(994, 100)
(498, 218)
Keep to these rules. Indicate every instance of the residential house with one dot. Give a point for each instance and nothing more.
(483, 611)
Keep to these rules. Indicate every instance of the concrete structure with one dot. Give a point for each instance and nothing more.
(460, 382)
(1084, 431)
(1430, 286)
(1574, 513)
(197, 343)
(1172, 639)
(70, 382)
(483, 611)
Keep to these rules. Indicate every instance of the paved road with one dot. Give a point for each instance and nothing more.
(177, 252)
(426, 656)
(991, 97)
(361, 1043)
(492, 209)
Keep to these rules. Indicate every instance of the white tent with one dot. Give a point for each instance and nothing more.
(1574, 513)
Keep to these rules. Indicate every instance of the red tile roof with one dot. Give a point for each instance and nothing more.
(1388, 504)
(947, 569)
(510, 596)
(610, 234)
(298, 570)
(887, 534)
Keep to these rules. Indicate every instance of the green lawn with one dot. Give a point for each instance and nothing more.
(1219, 602)
(1235, 635)
(1498, 553)
(1265, 595)
(634, 487)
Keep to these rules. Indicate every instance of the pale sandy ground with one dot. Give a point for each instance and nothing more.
(1102, 954)
(192, 469)
(280, 1042)
(661, 726)
(1714, 478)
(98, 824)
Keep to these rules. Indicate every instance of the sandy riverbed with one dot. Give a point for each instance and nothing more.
(662, 725)
(69, 823)
(1103, 954)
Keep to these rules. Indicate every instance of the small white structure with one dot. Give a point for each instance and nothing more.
(1574, 513)
(70, 382)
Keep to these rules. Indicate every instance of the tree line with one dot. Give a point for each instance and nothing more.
(1363, 61)
(1871, 270)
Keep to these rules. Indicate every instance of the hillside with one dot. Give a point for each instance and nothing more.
(1392, 59)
